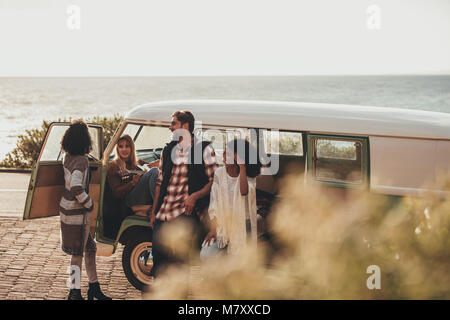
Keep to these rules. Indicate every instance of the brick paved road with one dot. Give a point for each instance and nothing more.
(32, 265)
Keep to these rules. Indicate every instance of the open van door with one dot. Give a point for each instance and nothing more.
(47, 176)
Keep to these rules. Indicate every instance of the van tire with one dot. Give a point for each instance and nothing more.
(137, 264)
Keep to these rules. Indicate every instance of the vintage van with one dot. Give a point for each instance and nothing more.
(391, 152)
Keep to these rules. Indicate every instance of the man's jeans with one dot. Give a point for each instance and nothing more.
(163, 257)
(144, 191)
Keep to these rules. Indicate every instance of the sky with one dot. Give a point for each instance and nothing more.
(223, 37)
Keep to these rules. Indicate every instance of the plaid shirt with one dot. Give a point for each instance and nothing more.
(177, 190)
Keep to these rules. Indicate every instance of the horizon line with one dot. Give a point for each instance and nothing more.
(230, 76)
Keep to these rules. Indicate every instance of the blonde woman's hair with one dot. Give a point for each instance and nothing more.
(132, 160)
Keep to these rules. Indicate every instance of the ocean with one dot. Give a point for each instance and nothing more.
(26, 102)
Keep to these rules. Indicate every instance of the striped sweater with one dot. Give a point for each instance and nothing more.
(74, 203)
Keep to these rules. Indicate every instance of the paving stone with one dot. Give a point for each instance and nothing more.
(32, 265)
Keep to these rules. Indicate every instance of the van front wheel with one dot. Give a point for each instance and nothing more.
(137, 260)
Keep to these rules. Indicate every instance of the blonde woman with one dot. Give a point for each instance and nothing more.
(127, 181)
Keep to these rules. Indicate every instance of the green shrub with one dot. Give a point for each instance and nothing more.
(29, 144)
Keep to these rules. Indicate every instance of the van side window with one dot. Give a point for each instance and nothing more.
(338, 160)
(52, 148)
(289, 143)
(219, 137)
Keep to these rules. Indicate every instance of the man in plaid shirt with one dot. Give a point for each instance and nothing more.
(183, 186)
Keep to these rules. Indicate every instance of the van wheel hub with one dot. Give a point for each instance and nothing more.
(142, 261)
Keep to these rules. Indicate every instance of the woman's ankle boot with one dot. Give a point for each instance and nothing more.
(95, 292)
(75, 294)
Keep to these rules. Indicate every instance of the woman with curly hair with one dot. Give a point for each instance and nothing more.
(75, 210)
(232, 208)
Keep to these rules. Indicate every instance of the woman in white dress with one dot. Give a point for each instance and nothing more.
(232, 208)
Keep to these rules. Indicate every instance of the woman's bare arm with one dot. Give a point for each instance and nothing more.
(243, 182)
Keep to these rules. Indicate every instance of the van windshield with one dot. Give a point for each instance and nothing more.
(149, 140)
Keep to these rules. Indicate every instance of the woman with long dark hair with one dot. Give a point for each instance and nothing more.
(75, 210)
(232, 208)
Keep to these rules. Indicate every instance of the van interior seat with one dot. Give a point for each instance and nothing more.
(266, 183)
(114, 212)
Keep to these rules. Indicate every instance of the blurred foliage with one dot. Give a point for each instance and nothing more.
(29, 144)
(323, 246)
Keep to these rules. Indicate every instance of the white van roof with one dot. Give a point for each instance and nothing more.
(302, 116)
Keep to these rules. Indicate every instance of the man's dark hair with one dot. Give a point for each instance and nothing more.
(250, 156)
(76, 139)
(185, 116)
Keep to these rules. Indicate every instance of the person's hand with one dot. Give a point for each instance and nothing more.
(152, 219)
(210, 238)
(136, 179)
(240, 162)
(141, 162)
(91, 208)
(189, 204)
